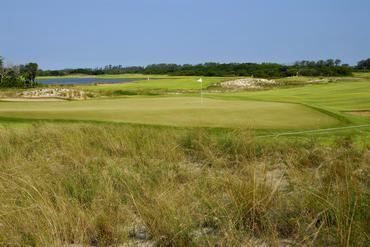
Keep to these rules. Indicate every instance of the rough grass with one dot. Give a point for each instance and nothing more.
(108, 185)
(175, 111)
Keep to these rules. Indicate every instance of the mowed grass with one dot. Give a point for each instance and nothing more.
(176, 111)
(341, 96)
(166, 83)
(155, 82)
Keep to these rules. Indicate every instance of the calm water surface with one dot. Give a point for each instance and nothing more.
(85, 80)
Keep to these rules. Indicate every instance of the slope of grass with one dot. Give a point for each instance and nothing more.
(341, 96)
(176, 111)
(68, 185)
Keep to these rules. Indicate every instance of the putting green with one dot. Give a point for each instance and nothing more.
(176, 111)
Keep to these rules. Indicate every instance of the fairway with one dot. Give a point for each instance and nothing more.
(176, 111)
(341, 96)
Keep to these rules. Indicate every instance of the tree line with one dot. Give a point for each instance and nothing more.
(363, 65)
(328, 67)
(23, 76)
(20, 76)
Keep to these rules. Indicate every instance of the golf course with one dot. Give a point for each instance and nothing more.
(177, 101)
(190, 160)
(185, 123)
(172, 161)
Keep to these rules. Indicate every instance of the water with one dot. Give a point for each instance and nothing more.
(85, 80)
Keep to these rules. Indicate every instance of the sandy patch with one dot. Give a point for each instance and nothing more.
(65, 93)
(361, 113)
(247, 83)
(31, 99)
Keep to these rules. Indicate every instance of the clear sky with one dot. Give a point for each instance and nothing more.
(89, 33)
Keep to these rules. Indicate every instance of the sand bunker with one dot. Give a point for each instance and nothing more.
(247, 83)
(60, 93)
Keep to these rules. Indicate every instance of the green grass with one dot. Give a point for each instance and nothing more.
(341, 96)
(175, 111)
(159, 82)
(332, 99)
(362, 75)
(101, 184)
(167, 84)
(117, 76)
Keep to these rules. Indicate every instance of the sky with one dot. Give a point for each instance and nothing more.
(92, 33)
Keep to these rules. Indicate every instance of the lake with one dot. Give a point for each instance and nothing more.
(85, 80)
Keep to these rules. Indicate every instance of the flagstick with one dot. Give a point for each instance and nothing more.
(201, 92)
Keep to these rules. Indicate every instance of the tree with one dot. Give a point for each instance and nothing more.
(337, 62)
(12, 77)
(330, 62)
(364, 64)
(31, 71)
(328, 67)
(1, 68)
(17, 76)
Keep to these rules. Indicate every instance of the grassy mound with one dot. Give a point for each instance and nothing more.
(176, 111)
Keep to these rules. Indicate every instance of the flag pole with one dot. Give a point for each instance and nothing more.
(201, 92)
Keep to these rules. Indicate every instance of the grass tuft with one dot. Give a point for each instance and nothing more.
(106, 185)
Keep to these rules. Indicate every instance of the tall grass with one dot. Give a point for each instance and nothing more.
(106, 185)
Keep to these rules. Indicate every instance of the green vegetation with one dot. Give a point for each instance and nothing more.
(175, 111)
(324, 104)
(64, 185)
(341, 96)
(363, 64)
(329, 67)
(20, 76)
(243, 168)
(170, 83)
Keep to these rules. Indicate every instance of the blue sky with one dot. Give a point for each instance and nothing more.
(90, 33)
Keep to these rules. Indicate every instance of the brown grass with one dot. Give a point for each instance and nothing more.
(106, 185)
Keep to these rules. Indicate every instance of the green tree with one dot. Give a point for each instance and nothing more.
(364, 64)
(31, 72)
(12, 78)
(330, 62)
(337, 62)
(1, 68)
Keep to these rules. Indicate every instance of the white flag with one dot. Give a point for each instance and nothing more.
(200, 80)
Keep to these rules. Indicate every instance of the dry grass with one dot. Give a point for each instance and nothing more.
(106, 185)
